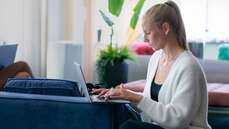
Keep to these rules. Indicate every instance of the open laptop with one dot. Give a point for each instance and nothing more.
(7, 54)
(83, 88)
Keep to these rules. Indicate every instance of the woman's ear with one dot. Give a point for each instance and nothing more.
(166, 28)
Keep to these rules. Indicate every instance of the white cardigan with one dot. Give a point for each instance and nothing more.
(182, 101)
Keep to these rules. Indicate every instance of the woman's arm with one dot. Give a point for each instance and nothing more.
(136, 86)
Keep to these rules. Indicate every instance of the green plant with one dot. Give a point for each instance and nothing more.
(110, 56)
(110, 61)
(115, 8)
(113, 55)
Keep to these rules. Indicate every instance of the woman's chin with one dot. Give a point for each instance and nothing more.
(154, 47)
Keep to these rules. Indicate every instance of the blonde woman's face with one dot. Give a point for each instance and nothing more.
(153, 35)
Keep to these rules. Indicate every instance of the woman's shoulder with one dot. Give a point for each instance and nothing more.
(188, 61)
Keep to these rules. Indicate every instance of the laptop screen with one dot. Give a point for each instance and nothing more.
(7, 54)
(79, 77)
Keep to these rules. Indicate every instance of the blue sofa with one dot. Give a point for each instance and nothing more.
(30, 111)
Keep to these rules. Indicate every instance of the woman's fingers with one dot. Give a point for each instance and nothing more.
(112, 92)
(97, 91)
(116, 97)
(103, 92)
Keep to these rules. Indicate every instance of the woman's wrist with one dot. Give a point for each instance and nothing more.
(138, 98)
(133, 97)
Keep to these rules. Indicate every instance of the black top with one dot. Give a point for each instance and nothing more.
(155, 88)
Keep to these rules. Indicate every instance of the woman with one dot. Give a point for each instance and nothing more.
(175, 95)
(19, 69)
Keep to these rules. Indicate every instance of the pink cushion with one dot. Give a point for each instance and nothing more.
(142, 48)
(218, 94)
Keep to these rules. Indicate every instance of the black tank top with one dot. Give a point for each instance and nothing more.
(155, 88)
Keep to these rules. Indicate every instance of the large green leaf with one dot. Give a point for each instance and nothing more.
(115, 7)
(137, 11)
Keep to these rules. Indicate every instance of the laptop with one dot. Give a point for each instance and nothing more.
(7, 54)
(84, 91)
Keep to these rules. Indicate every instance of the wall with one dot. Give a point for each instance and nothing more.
(20, 23)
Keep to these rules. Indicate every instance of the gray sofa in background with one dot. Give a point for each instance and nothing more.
(137, 69)
(216, 71)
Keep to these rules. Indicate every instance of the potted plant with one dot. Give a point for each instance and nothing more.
(111, 66)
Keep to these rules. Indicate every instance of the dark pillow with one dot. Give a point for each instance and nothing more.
(43, 86)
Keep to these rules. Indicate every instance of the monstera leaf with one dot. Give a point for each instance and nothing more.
(137, 11)
(115, 7)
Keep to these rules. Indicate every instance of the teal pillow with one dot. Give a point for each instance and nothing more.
(223, 52)
(43, 86)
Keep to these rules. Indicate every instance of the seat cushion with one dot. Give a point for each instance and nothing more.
(218, 94)
(43, 86)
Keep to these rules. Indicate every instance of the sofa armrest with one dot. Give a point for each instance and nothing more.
(11, 95)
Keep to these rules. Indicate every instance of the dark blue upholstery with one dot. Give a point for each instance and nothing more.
(43, 86)
(29, 111)
(34, 111)
(218, 117)
(26, 111)
(37, 104)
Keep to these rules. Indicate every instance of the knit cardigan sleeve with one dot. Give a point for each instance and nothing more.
(183, 103)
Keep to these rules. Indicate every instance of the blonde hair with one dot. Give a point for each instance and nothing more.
(168, 12)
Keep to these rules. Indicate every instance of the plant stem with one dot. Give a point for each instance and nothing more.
(111, 35)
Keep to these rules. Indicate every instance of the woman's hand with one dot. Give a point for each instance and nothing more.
(122, 93)
(100, 91)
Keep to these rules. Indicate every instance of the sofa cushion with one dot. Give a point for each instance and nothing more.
(218, 94)
(223, 52)
(216, 71)
(142, 48)
(43, 86)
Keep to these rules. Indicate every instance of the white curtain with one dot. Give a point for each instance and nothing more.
(23, 22)
(69, 25)
(33, 45)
